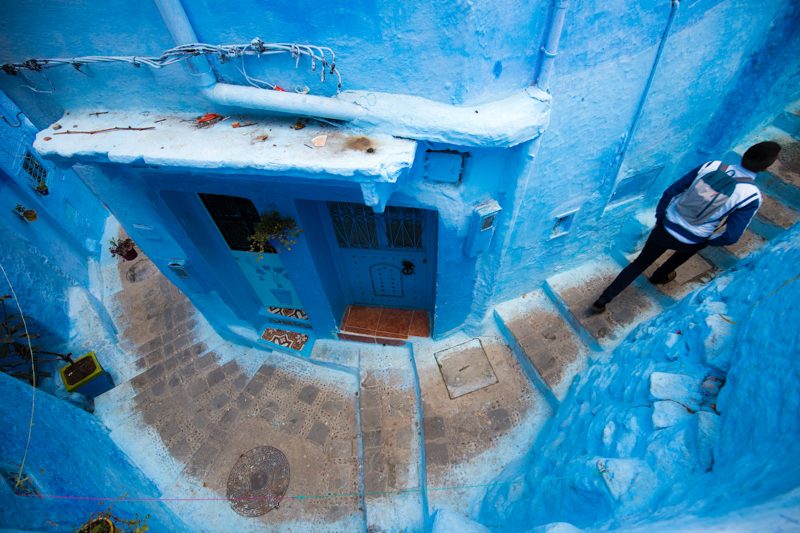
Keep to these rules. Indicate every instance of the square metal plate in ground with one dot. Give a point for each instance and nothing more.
(465, 368)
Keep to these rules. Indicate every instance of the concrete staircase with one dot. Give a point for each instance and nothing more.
(552, 331)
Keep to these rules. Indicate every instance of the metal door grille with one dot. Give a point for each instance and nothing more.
(354, 225)
(358, 226)
(404, 227)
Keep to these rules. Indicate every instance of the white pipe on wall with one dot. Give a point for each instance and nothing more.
(308, 105)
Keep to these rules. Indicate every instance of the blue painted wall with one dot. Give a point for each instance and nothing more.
(71, 459)
(44, 258)
(720, 57)
(696, 462)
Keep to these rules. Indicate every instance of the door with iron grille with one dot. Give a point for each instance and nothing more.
(386, 259)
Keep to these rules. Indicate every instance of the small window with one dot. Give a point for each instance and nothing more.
(487, 222)
(236, 219)
(35, 170)
(634, 186)
(562, 224)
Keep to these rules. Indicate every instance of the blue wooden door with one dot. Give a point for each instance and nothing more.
(386, 259)
(236, 218)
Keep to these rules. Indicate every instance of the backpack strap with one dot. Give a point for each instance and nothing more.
(737, 206)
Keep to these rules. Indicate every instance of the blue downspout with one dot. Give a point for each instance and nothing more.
(646, 92)
(174, 16)
(550, 48)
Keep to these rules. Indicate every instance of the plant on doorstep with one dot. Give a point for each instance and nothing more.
(24, 213)
(272, 228)
(42, 188)
(124, 248)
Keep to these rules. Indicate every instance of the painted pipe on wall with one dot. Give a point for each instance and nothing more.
(646, 91)
(182, 31)
(243, 96)
(174, 16)
(550, 48)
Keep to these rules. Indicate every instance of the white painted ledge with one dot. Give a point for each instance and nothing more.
(177, 143)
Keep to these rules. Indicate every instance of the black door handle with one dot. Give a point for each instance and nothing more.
(408, 268)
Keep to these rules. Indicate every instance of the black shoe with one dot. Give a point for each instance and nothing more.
(599, 306)
(655, 280)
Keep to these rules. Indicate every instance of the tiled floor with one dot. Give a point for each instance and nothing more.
(383, 325)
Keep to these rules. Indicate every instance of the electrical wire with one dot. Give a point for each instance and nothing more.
(322, 55)
(20, 479)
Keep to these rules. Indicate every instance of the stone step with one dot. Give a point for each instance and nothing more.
(775, 212)
(391, 444)
(787, 167)
(692, 275)
(746, 245)
(471, 436)
(535, 328)
(575, 290)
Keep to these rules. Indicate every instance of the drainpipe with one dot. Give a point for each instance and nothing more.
(174, 16)
(528, 153)
(550, 48)
(646, 91)
(179, 26)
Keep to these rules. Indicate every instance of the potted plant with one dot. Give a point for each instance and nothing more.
(24, 213)
(42, 189)
(86, 376)
(108, 522)
(274, 228)
(123, 248)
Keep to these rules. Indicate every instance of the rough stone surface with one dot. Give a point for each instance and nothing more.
(688, 277)
(748, 243)
(787, 167)
(209, 414)
(627, 309)
(458, 430)
(775, 212)
(547, 341)
(465, 368)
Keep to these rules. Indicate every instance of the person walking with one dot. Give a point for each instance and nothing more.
(692, 209)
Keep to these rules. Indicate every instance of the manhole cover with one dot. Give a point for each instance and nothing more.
(258, 481)
(140, 270)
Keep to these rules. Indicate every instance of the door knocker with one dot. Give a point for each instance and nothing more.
(408, 268)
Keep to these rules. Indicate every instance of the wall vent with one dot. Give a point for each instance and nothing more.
(35, 170)
(563, 224)
(445, 166)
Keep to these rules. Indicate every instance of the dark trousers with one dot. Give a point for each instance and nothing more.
(659, 241)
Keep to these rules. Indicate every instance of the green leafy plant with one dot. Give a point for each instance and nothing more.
(121, 247)
(274, 227)
(15, 352)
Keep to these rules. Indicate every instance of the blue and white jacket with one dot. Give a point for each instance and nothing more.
(743, 204)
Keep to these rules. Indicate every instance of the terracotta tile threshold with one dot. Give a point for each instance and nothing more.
(382, 325)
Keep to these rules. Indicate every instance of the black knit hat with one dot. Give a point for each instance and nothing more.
(760, 156)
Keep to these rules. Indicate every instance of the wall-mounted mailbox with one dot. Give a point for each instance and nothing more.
(481, 227)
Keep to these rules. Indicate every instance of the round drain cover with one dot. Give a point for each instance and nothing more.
(258, 481)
